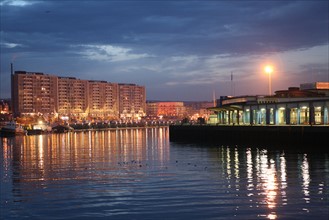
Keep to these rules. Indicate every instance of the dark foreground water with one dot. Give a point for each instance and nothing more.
(139, 174)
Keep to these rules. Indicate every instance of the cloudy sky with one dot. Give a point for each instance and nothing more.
(179, 50)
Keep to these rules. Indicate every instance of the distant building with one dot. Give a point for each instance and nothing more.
(178, 110)
(34, 93)
(171, 109)
(73, 98)
(39, 93)
(308, 104)
(132, 101)
(198, 109)
(104, 99)
(174, 110)
(318, 87)
(5, 106)
(151, 109)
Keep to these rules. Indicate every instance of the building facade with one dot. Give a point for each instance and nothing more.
(72, 96)
(132, 101)
(34, 93)
(296, 106)
(103, 99)
(39, 93)
(174, 110)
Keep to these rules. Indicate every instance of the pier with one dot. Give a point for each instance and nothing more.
(296, 137)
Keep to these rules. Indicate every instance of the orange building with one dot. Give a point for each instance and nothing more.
(72, 97)
(104, 101)
(132, 101)
(34, 93)
(167, 109)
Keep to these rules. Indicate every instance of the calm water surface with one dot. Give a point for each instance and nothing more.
(139, 174)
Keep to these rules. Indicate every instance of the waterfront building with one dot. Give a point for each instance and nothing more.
(103, 98)
(132, 101)
(197, 110)
(5, 106)
(71, 98)
(304, 105)
(152, 109)
(33, 93)
(174, 110)
(178, 110)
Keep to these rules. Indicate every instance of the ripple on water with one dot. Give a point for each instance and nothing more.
(141, 175)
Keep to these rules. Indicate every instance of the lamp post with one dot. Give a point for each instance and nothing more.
(269, 70)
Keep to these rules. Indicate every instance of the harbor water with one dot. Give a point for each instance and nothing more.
(139, 174)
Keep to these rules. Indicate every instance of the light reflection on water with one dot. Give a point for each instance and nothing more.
(139, 174)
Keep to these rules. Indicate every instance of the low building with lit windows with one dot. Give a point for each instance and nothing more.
(172, 110)
(304, 105)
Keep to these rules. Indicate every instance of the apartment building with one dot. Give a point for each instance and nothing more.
(72, 97)
(103, 97)
(34, 93)
(132, 101)
(39, 93)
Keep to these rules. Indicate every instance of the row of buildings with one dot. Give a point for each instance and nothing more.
(70, 98)
(39, 93)
(75, 99)
(304, 105)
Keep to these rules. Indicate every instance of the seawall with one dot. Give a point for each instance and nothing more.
(298, 137)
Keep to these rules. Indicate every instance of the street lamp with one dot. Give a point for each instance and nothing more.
(269, 70)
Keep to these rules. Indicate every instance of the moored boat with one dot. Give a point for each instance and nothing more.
(12, 129)
(62, 128)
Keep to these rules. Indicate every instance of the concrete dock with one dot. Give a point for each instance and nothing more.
(297, 137)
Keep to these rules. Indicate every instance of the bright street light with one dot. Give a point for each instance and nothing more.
(269, 70)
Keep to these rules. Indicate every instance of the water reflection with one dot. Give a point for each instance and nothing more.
(283, 174)
(266, 178)
(61, 156)
(306, 178)
(138, 173)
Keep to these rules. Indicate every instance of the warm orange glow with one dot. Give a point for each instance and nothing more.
(268, 69)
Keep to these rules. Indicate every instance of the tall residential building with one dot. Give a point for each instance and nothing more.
(34, 93)
(103, 98)
(132, 101)
(72, 97)
(38, 93)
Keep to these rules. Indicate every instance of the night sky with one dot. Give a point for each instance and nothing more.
(179, 50)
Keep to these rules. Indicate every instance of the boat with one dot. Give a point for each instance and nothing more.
(62, 129)
(39, 128)
(12, 129)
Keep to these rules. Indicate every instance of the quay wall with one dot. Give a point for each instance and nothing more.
(299, 137)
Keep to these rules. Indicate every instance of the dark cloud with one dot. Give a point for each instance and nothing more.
(211, 27)
(146, 34)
